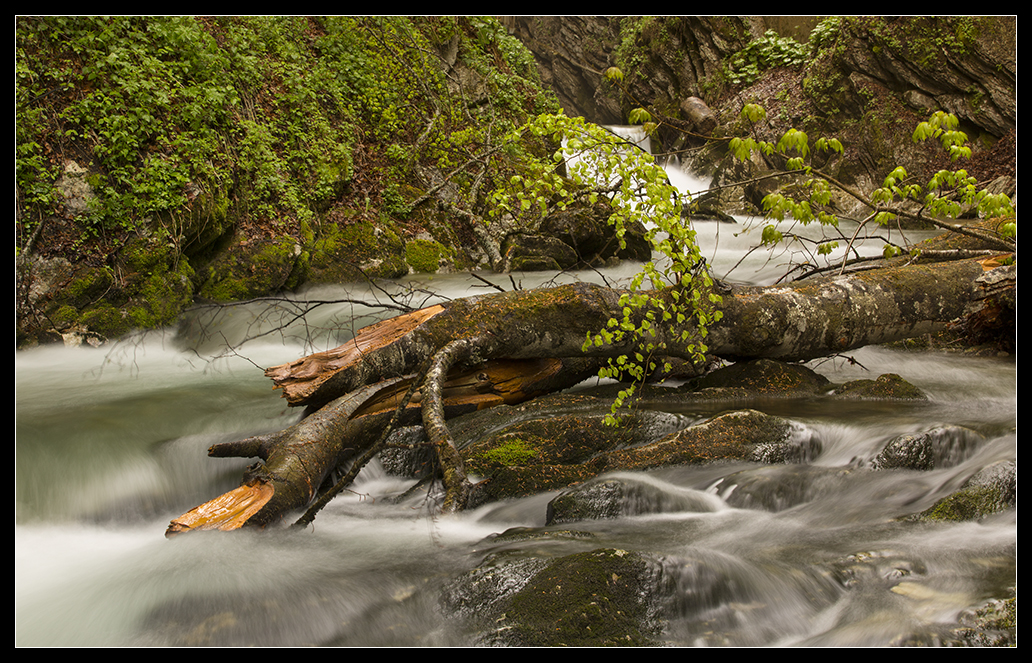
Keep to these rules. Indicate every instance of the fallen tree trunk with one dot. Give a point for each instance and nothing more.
(791, 322)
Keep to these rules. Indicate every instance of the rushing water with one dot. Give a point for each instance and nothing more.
(111, 445)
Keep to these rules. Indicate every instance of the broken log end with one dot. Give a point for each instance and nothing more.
(226, 512)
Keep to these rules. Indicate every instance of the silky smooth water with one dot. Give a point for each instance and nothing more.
(111, 445)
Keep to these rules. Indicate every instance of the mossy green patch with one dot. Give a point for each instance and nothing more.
(513, 451)
(89, 287)
(968, 504)
(354, 250)
(107, 320)
(162, 296)
(425, 255)
(255, 268)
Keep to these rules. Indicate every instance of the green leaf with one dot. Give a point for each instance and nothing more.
(771, 235)
(639, 116)
(753, 112)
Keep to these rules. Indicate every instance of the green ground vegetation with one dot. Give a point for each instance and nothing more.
(202, 133)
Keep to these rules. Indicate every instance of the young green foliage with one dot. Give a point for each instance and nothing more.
(943, 197)
(768, 52)
(669, 300)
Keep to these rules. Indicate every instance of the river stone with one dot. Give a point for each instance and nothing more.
(526, 253)
(778, 487)
(744, 435)
(548, 444)
(254, 267)
(742, 383)
(555, 442)
(586, 599)
(595, 241)
(766, 377)
(991, 490)
(887, 386)
(407, 453)
(944, 446)
(630, 495)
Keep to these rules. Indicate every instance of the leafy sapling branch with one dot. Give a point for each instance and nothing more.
(945, 195)
(670, 300)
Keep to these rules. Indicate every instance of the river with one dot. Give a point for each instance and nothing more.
(111, 442)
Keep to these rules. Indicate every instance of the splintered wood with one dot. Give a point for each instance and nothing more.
(226, 512)
(301, 378)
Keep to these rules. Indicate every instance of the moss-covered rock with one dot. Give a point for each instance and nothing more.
(885, 387)
(252, 268)
(747, 435)
(624, 495)
(162, 296)
(991, 490)
(944, 446)
(425, 255)
(588, 232)
(555, 448)
(764, 377)
(596, 598)
(532, 253)
(149, 285)
(353, 251)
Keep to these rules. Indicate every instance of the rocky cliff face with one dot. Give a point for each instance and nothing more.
(965, 66)
(866, 80)
(664, 59)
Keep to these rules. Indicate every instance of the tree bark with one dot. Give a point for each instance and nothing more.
(547, 328)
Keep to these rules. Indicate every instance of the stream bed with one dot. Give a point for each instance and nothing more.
(111, 445)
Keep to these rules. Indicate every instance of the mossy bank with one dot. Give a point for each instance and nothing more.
(160, 159)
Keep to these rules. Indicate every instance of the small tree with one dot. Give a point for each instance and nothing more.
(675, 290)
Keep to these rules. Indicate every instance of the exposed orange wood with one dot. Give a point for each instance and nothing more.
(226, 512)
(302, 377)
(497, 382)
(995, 261)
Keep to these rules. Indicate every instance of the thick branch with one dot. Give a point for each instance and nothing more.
(456, 484)
(296, 460)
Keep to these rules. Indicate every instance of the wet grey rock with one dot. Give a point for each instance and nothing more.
(944, 446)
